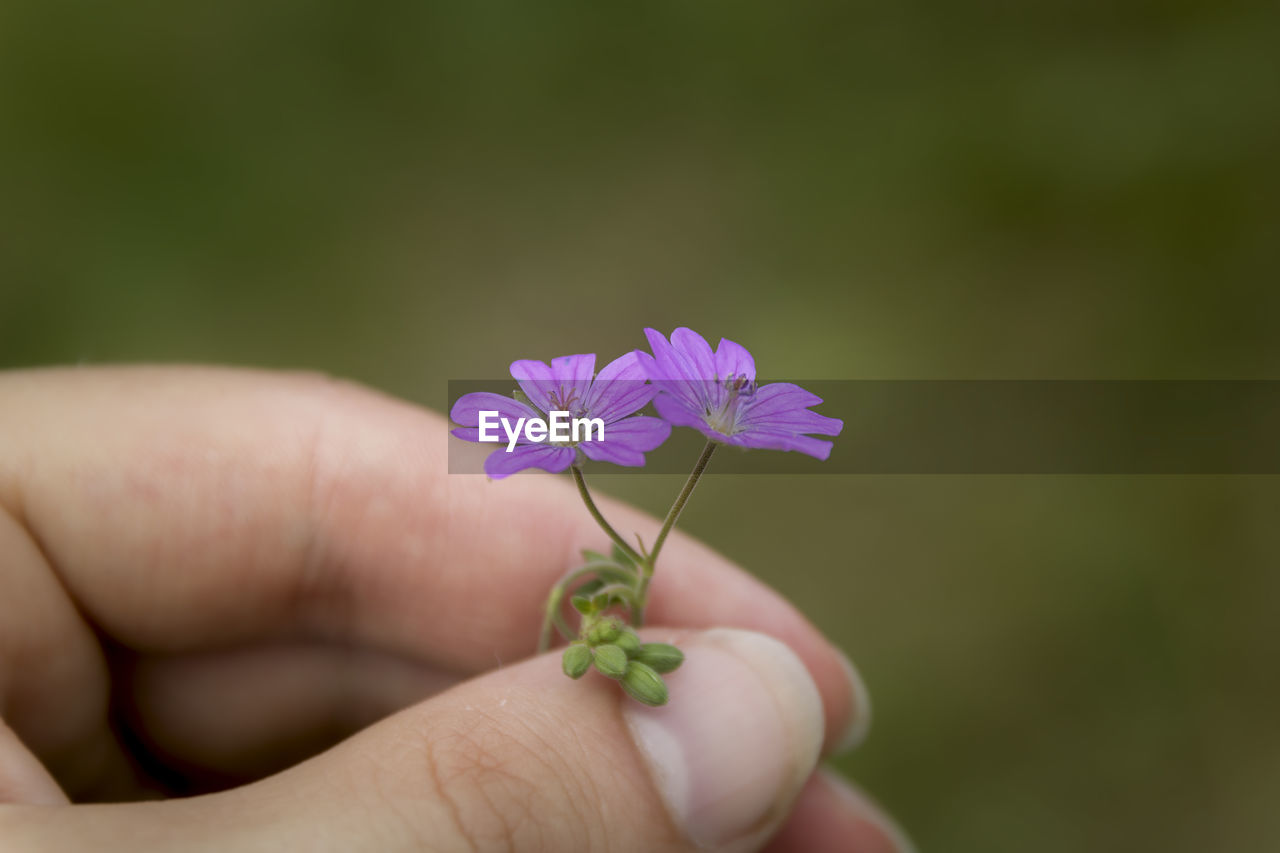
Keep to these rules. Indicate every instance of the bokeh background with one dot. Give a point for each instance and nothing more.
(403, 194)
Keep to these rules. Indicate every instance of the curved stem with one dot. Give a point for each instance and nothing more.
(599, 517)
(551, 617)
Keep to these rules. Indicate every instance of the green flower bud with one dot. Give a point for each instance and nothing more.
(604, 631)
(576, 660)
(661, 656)
(644, 685)
(611, 661)
(628, 642)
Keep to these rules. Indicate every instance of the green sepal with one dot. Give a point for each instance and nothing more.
(585, 606)
(576, 660)
(522, 397)
(643, 684)
(611, 661)
(603, 631)
(662, 657)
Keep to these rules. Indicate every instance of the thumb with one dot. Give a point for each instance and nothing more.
(526, 759)
(520, 759)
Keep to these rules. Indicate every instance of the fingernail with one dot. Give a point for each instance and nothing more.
(860, 714)
(738, 739)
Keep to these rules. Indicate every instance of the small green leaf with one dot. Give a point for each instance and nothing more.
(613, 573)
(594, 556)
(663, 657)
(583, 605)
(628, 642)
(611, 661)
(621, 557)
(644, 685)
(576, 660)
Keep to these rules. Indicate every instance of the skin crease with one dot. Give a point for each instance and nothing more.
(261, 564)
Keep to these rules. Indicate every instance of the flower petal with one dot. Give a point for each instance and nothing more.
(466, 412)
(502, 464)
(785, 394)
(732, 359)
(696, 350)
(604, 451)
(782, 440)
(626, 441)
(671, 371)
(781, 407)
(573, 377)
(536, 381)
(675, 410)
(619, 389)
(641, 432)
(665, 364)
(574, 368)
(799, 421)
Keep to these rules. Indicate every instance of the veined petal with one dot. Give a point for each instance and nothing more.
(665, 364)
(500, 463)
(783, 440)
(536, 381)
(563, 384)
(574, 368)
(696, 351)
(780, 394)
(641, 433)
(732, 359)
(466, 412)
(671, 371)
(619, 389)
(798, 421)
(791, 419)
(616, 454)
(676, 413)
(675, 410)
(573, 376)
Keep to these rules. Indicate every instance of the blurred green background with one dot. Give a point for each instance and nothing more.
(403, 195)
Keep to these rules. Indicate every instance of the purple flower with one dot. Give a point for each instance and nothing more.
(716, 394)
(568, 384)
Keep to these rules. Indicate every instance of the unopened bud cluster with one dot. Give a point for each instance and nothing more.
(617, 652)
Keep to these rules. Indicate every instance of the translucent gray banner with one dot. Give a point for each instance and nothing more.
(994, 427)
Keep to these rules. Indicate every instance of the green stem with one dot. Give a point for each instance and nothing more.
(551, 617)
(673, 515)
(599, 517)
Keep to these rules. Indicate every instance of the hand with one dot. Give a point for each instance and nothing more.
(210, 577)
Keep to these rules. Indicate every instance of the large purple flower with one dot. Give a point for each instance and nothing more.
(569, 384)
(716, 394)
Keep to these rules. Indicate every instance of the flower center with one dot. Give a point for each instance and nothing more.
(565, 400)
(738, 391)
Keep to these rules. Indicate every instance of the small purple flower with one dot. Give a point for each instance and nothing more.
(716, 394)
(569, 384)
